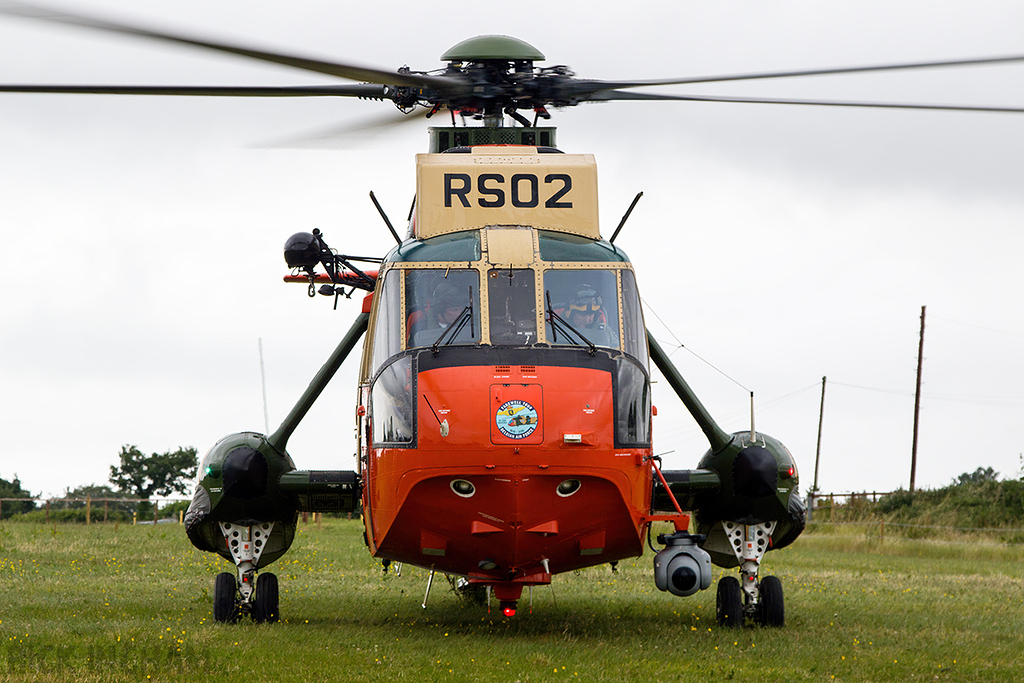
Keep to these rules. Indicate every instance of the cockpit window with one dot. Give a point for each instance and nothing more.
(442, 306)
(512, 296)
(586, 306)
(387, 335)
(633, 319)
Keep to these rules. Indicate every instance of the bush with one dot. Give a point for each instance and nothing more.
(895, 501)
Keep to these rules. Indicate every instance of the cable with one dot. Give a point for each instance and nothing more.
(680, 345)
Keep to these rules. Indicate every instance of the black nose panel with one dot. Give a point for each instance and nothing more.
(245, 473)
(754, 473)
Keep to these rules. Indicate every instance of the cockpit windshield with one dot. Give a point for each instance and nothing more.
(513, 306)
(586, 307)
(442, 306)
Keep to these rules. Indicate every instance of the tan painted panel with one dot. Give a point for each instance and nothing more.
(506, 186)
(509, 247)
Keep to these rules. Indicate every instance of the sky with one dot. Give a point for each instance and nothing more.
(775, 245)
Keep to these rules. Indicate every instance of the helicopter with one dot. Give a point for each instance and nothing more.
(509, 443)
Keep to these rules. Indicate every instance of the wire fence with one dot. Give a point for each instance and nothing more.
(89, 509)
(932, 533)
(824, 510)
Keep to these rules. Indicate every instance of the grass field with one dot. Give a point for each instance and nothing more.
(106, 603)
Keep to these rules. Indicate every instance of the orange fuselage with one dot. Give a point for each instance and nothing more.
(515, 433)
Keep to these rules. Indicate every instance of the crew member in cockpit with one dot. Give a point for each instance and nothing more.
(586, 315)
(446, 306)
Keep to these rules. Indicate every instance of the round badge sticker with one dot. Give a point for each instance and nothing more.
(516, 419)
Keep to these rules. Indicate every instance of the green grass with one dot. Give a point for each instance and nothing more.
(106, 603)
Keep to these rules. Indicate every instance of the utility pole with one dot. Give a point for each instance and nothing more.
(817, 454)
(917, 404)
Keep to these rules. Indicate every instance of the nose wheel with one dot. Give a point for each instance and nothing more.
(248, 594)
(225, 598)
(771, 611)
(729, 603)
(761, 600)
(263, 604)
(266, 604)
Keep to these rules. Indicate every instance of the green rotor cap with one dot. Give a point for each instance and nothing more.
(493, 47)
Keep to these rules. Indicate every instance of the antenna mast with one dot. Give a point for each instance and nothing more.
(263, 381)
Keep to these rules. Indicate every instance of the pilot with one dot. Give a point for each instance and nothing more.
(446, 305)
(587, 316)
(585, 309)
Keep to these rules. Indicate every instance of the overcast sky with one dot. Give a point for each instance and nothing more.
(141, 258)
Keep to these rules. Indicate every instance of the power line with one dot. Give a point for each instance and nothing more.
(679, 345)
(881, 391)
(977, 327)
(684, 434)
(954, 398)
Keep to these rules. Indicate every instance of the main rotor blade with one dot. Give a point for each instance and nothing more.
(350, 134)
(339, 69)
(592, 86)
(623, 95)
(364, 90)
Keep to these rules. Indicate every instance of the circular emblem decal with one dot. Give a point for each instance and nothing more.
(516, 419)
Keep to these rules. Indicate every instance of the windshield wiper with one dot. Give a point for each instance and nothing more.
(560, 323)
(455, 328)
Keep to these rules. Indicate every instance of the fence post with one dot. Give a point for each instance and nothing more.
(88, 508)
(47, 511)
(105, 504)
(831, 507)
(156, 511)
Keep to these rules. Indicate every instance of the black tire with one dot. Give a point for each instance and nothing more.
(772, 610)
(225, 589)
(729, 603)
(266, 601)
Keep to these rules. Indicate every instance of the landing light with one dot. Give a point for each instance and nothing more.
(568, 487)
(463, 488)
(509, 611)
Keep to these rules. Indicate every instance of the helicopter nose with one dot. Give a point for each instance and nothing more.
(754, 472)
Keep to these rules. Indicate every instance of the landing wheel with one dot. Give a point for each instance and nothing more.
(772, 609)
(265, 603)
(729, 603)
(225, 590)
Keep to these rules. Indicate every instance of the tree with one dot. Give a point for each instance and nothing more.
(97, 493)
(12, 489)
(977, 476)
(159, 474)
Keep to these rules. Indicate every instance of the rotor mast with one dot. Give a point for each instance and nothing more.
(501, 71)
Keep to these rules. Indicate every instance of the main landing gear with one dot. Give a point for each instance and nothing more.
(247, 594)
(761, 601)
